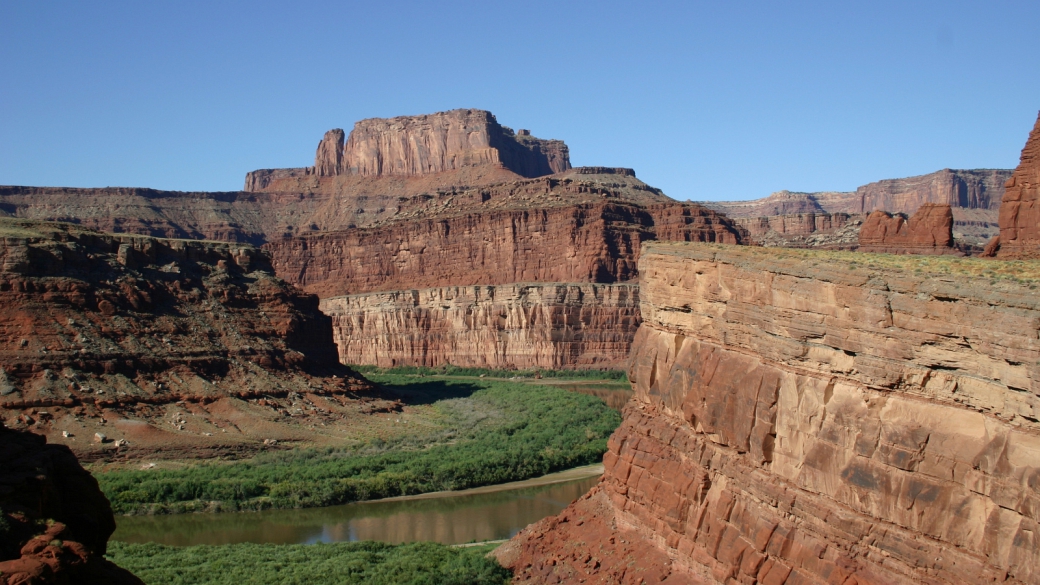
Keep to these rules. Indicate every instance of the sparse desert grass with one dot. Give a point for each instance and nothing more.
(371, 563)
(983, 269)
(488, 432)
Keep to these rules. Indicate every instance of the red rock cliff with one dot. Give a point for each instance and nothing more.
(1020, 211)
(928, 231)
(803, 423)
(98, 329)
(524, 326)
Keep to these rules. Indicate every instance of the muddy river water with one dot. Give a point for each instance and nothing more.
(490, 513)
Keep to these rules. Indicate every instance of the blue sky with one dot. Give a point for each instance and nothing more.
(709, 101)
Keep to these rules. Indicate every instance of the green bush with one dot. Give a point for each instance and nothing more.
(496, 432)
(371, 563)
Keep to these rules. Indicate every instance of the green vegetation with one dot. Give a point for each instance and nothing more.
(490, 432)
(371, 563)
(450, 370)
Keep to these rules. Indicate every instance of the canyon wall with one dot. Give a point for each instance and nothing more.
(99, 328)
(1020, 211)
(54, 520)
(928, 231)
(597, 241)
(800, 420)
(966, 189)
(524, 326)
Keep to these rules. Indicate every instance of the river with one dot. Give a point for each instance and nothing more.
(481, 514)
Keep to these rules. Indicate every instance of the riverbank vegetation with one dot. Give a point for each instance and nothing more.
(487, 431)
(449, 370)
(371, 563)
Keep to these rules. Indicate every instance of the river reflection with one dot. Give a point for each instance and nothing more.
(448, 520)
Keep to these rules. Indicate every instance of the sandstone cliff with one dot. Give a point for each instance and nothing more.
(962, 189)
(541, 236)
(1020, 211)
(524, 326)
(798, 420)
(928, 231)
(54, 520)
(103, 333)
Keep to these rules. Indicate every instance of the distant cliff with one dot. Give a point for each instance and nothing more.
(421, 145)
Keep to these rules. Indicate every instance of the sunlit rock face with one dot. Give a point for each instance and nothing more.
(799, 421)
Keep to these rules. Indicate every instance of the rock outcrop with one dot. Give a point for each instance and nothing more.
(100, 328)
(813, 422)
(928, 231)
(512, 326)
(830, 231)
(328, 161)
(961, 189)
(1020, 210)
(54, 520)
(423, 145)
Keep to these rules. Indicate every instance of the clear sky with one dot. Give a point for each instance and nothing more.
(706, 100)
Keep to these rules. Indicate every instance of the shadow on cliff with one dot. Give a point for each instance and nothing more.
(428, 391)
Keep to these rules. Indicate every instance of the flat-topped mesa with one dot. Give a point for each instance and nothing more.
(1020, 209)
(929, 231)
(409, 146)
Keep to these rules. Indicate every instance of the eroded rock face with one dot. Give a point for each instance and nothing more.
(54, 520)
(594, 241)
(800, 423)
(928, 231)
(328, 161)
(103, 327)
(525, 326)
(1020, 211)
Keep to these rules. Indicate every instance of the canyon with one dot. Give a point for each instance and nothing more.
(426, 202)
(814, 417)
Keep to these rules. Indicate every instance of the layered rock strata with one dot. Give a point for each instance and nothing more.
(797, 420)
(594, 241)
(1020, 211)
(98, 327)
(422, 145)
(928, 231)
(54, 520)
(512, 326)
(980, 189)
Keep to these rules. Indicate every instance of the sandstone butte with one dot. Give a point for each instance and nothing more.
(798, 420)
(55, 520)
(928, 231)
(161, 347)
(1020, 210)
(416, 207)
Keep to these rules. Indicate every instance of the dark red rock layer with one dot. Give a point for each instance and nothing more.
(587, 242)
(54, 520)
(928, 231)
(805, 423)
(1020, 211)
